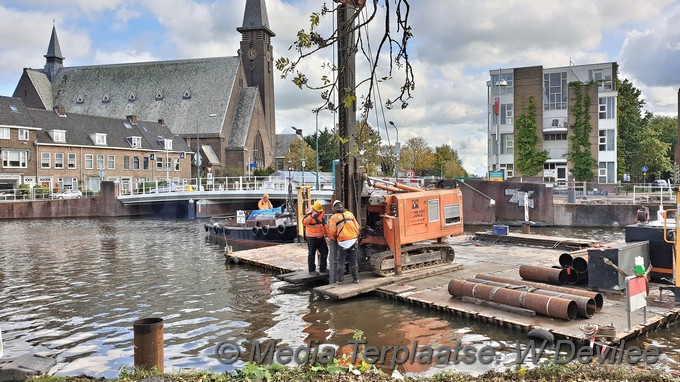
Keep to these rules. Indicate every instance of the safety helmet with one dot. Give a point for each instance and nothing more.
(317, 206)
(337, 204)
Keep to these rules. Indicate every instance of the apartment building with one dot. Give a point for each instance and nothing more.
(58, 150)
(509, 91)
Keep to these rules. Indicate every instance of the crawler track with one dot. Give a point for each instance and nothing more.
(412, 258)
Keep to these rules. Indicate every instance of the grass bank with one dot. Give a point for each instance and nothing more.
(275, 372)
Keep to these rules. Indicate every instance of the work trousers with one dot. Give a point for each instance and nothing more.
(314, 244)
(350, 256)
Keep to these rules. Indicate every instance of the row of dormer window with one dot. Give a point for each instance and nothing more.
(132, 96)
(99, 139)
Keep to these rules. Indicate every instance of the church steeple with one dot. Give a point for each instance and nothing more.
(255, 17)
(257, 58)
(53, 59)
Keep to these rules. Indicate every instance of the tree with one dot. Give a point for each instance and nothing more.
(388, 159)
(529, 160)
(310, 41)
(579, 143)
(666, 129)
(416, 155)
(329, 149)
(294, 156)
(630, 127)
(368, 144)
(655, 155)
(447, 163)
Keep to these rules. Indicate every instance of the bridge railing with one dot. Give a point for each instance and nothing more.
(238, 183)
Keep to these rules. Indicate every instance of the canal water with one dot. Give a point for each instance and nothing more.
(71, 289)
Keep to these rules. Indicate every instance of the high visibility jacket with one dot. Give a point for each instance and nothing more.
(343, 226)
(264, 205)
(314, 224)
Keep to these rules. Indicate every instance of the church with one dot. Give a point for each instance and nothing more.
(225, 105)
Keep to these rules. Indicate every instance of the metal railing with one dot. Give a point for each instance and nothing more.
(239, 183)
(40, 193)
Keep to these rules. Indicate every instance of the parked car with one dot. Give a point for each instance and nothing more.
(660, 184)
(69, 193)
(172, 187)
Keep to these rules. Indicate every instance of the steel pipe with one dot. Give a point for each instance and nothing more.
(565, 260)
(586, 305)
(148, 343)
(572, 276)
(551, 306)
(580, 264)
(543, 274)
(599, 300)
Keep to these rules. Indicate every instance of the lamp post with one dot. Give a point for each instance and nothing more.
(396, 151)
(198, 155)
(302, 149)
(497, 111)
(317, 148)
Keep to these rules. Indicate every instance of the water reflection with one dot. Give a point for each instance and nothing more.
(71, 288)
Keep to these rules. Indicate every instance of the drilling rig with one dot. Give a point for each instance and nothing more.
(397, 220)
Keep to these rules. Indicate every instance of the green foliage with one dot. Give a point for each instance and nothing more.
(529, 160)
(23, 189)
(387, 158)
(447, 163)
(666, 130)
(416, 155)
(368, 145)
(41, 191)
(329, 148)
(579, 153)
(264, 171)
(630, 127)
(297, 149)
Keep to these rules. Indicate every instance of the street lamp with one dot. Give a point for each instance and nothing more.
(302, 148)
(396, 151)
(500, 83)
(317, 148)
(198, 155)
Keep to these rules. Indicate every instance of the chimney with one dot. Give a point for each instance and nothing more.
(161, 121)
(132, 119)
(60, 110)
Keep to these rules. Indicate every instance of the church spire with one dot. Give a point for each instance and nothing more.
(53, 59)
(255, 17)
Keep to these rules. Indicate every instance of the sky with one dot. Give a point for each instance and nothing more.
(455, 44)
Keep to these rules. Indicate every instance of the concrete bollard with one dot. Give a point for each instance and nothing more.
(148, 343)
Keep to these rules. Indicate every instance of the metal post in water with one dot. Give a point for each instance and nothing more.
(332, 261)
(148, 343)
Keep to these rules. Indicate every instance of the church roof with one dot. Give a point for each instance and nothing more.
(43, 86)
(183, 92)
(255, 17)
(243, 116)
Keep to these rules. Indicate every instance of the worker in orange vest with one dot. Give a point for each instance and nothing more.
(344, 229)
(264, 203)
(315, 230)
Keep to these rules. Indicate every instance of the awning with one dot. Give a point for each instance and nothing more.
(210, 154)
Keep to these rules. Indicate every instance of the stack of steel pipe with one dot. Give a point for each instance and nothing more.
(597, 297)
(576, 262)
(551, 306)
(555, 276)
(586, 305)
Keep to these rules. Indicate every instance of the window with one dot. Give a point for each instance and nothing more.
(507, 143)
(135, 142)
(509, 169)
(4, 132)
(159, 163)
(71, 160)
(126, 162)
(89, 161)
(100, 161)
(505, 115)
(145, 163)
(111, 160)
(100, 139)
(606, 173)
(23, 134)
(177, 164)
(14, 159)
(555, 137)
(507, 89)
(607, 138)
(45, 160)
(168, 164)
(13, 109)
(59, 135)
(59, 160)
(555, 91)
(606, 108)
(135, 163)
(602, 76)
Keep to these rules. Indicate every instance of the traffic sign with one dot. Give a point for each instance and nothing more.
(410, 174)
(645, 168)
